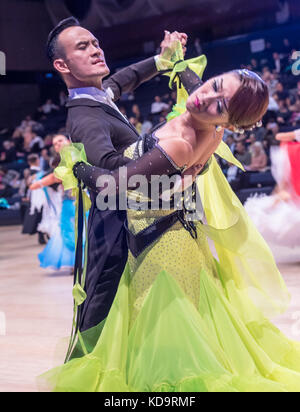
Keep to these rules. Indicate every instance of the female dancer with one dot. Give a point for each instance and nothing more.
(60, 249)
(277, 217)
(181, 320)
(290, 142)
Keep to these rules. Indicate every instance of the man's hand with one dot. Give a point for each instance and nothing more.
(170, 38)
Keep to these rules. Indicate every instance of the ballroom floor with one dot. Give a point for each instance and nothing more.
(36, 311)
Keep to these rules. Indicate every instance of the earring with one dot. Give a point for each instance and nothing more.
(219, 128)
(238, 130)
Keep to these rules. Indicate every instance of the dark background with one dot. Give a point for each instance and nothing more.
(128, 30)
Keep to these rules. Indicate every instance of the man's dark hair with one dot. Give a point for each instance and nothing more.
(32, 159)
(52, 48)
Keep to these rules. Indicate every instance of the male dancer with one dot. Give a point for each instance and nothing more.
(94, 120)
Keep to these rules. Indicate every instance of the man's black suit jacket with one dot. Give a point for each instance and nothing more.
(105, 134)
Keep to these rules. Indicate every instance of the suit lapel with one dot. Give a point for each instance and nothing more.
(105, 107)
(114, 112)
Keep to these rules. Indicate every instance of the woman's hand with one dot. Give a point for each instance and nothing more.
(169, 40)
(36, 185)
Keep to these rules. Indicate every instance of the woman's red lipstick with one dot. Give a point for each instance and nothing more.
(197, 103)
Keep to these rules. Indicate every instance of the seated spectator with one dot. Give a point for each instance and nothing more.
(136, 123)
(272, 127)
(276, 63)
(45, 160)
(27, 122)
(174, 97)
(242, 154)
(127, 97)
(296, 92)
(8, 155)
(283, 114)
(230, 142)
(258, 159)
(32, 142)
(146, 125)
(286, 46)
(273, 106)
(48, 107)
(158, 106)
(270, 80)
(136, 112)
(254, 65)
(9, 182)
(281, 92)
(295, 112)
(250, 142)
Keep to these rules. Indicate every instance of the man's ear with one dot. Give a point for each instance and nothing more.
(61, 66)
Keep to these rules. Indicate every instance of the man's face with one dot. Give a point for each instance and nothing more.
(83, 58)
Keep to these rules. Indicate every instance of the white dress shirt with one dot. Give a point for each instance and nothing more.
(103, 96)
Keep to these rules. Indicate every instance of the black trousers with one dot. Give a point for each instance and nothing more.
(106, 260)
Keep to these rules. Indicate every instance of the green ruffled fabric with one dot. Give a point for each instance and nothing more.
(173, 60)
(174, 347)
(70, 155)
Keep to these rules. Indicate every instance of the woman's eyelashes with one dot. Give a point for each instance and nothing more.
(219, 104)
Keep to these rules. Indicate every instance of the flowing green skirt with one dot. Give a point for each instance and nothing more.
(178, 324)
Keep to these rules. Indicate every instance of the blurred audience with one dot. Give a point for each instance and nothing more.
(258, 158)
(34, 134)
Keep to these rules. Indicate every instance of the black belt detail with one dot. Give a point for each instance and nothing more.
(139, 242)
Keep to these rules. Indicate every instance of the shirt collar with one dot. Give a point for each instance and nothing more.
(88, 92)
(103, 96)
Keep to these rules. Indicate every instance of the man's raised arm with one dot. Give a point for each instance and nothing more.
(129, 78)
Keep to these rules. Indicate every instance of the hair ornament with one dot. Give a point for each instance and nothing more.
(251, 74)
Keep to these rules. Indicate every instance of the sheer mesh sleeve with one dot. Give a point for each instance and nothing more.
(151, 165)
(190, 80)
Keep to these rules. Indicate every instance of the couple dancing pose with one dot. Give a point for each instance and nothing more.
(156, 311)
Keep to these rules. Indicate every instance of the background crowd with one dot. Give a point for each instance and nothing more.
(150, 106)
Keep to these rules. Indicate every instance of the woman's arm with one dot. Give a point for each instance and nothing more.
(286, 137)
(46, 181)
(163, 159)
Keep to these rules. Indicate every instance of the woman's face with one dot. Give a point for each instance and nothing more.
(209, 103)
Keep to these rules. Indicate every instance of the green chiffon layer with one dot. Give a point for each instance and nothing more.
(172, 346)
